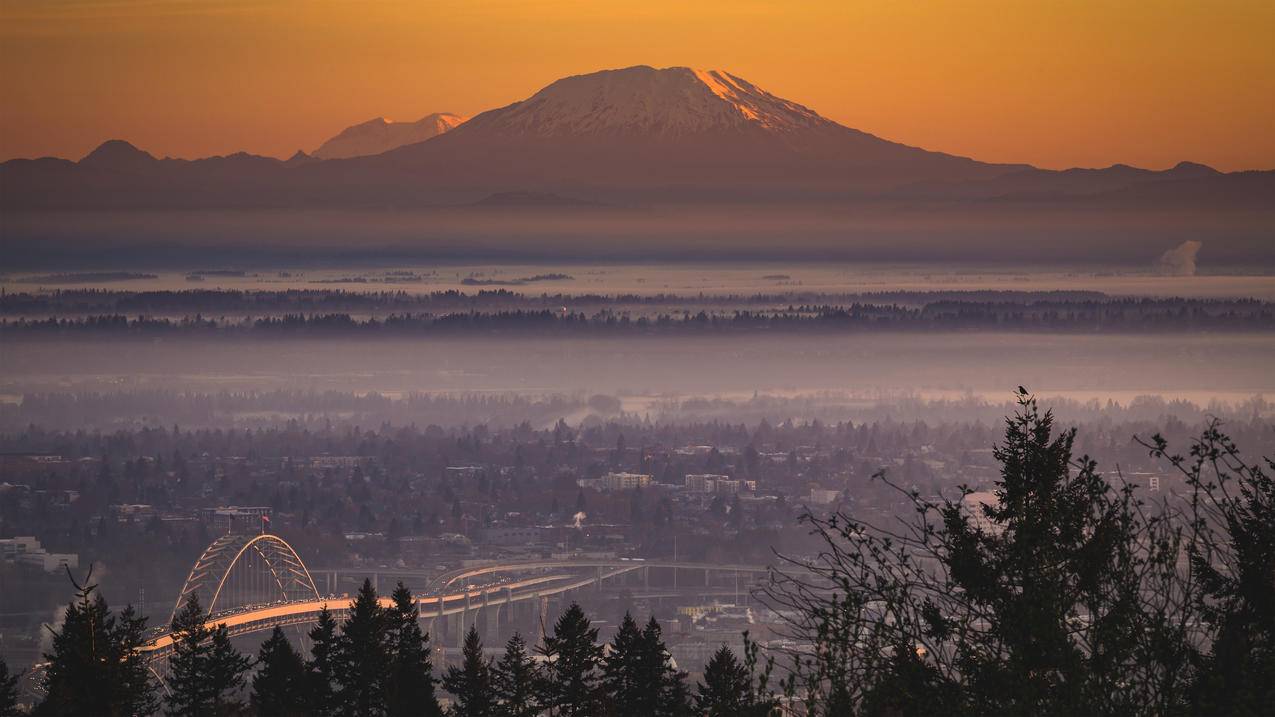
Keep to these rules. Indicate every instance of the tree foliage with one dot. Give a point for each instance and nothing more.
(279, 687)
(515, 678)
(94, 666)
(321, 667)
(1063, 594)
(410, 686)
(726, 686)
(569, 685)
(363, 657)
(207, 672)
(471, 683)
(8, 691)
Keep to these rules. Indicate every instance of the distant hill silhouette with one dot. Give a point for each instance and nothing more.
(381, 135)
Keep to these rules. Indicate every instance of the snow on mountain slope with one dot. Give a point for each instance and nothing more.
(381, 135)
(649, 134)
(671, 102)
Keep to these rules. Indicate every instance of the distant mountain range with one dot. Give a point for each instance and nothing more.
(632, 136)
(381, 135)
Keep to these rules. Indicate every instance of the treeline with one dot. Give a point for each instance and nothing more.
(377, 663)
(1143, 316)
(215, 301)
(317, 410)
(313, 408)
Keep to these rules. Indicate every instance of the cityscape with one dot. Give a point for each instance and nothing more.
(915, 362)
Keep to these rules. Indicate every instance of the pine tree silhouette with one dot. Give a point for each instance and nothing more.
(471, 683)
(570, 682)
(95, 667)
(279, 687)
(363, 657)
(207, 672)
(410, 689)
(514, 681)
(321, 698)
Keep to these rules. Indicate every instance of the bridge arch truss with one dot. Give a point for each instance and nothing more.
(236, 569)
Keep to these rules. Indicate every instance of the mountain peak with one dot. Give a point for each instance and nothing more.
(642, 100)
(381, 135)
(116, 154)
(1193, 169)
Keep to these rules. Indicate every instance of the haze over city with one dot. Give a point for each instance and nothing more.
(503, 359)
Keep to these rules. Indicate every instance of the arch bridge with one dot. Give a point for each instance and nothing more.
(252, 583)
(237, 571)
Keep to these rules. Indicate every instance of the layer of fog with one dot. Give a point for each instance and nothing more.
(1170, 276)
(654, 376)
(994, 232)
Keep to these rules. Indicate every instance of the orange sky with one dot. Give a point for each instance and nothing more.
(1052, 82)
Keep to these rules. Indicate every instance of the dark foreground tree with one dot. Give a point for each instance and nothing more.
(321, 667)
(656, 669)
(638, 675)
(279, 687)
(410, 688)
(1059, 596)
(569, 685)
(8, 691)
(206, 671)
(622, 677)
(362, 663)
(1231, 547)
(94, 666)
(724, 691)
(471, 683)
(514, 681)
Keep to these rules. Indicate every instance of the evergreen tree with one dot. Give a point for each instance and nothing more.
(514, 680)
(471, 683)
(95, 667)
(206, 670)
(656, 671)
(638, 675)
(226, 672)
(727, 689)
(1059, 597)
(8, 691)
(279, 687)
(410, 689)
(622, 673)
(726, 686)
(569, 685)
(1235, 674)
(363, 657)
(321, 668)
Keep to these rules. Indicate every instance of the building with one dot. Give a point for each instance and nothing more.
(237, 518)
(720, 484)
(512, 535)
(612, 482)
(704, 482)
(322, 462)
(28, 551)
(822, 496)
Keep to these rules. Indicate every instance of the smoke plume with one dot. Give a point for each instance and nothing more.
(1179, 261)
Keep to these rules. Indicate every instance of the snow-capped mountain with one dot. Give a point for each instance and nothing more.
(650, 134)
(634, 136)
(381, 135)
(678, 101)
